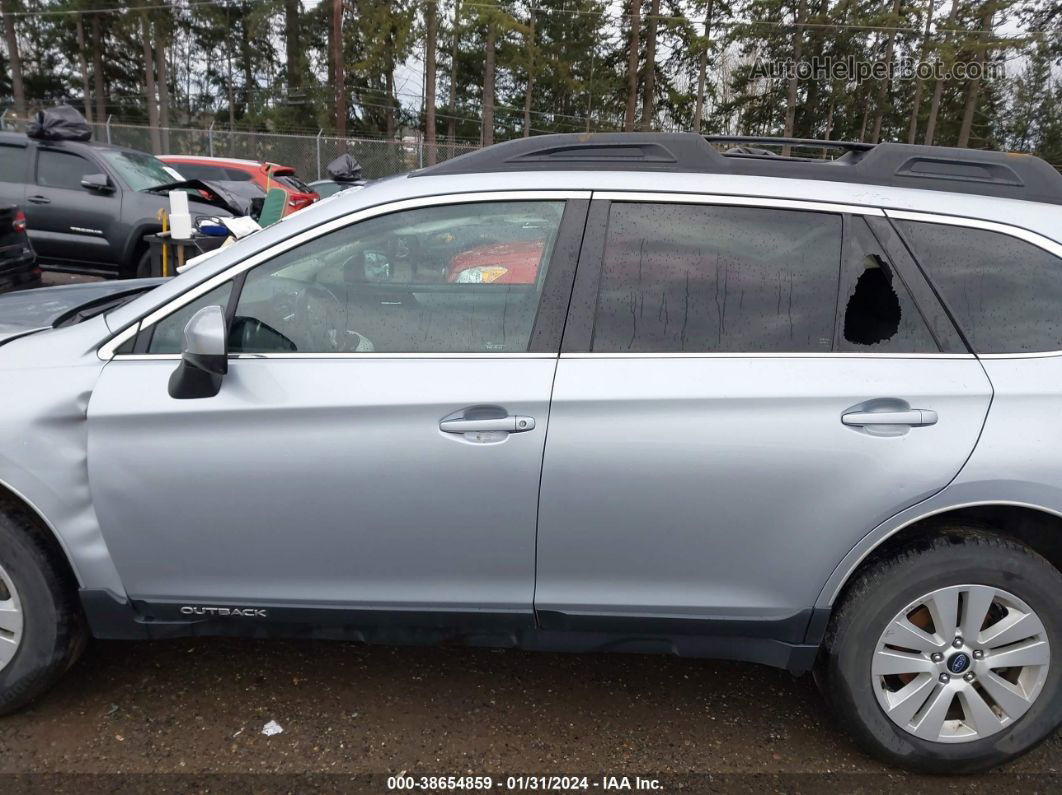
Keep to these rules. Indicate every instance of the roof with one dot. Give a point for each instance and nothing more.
(21, 138)
(969, 171)
(257, 164)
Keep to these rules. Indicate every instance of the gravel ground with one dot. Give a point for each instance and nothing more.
(198, 707)
(54, 278)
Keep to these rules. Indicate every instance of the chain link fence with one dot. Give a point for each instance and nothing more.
(309, 155)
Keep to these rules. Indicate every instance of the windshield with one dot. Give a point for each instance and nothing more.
(141, 171)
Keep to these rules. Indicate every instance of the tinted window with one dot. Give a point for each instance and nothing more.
(458, 278)
(237, 175)
(294, 183)
(1006, 294)
(877, 312)
(12, 163)
(57, 169)
(168, 333)
(704, 278)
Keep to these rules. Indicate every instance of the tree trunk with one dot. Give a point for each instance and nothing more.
(292, 48)
(97, 70)
(633, 45)
(883, 86)
(231, 89)
(17, 87)
(973, 87)
(487, 134)
(431, 22)
(916, 102)
(246, 54)
(649, 86)
(82, 55)
(702, 69)
(530, 87)
(339, 69)
(451, 123)
(149, 83)
(389, 88)
(791, 89)
(938, 88)
(163, 86)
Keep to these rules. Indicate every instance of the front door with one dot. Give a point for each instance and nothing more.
(377, 441)
(757, 389)
(70, 224)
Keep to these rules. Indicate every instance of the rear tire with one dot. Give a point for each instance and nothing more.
(963, 568)
(143, 266)
(41, 626)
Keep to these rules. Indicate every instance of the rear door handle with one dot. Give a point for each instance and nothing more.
(916, 418)
(510, 424)
(38, 200)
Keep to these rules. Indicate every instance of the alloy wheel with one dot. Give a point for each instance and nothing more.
(960, 663)
(11, 619)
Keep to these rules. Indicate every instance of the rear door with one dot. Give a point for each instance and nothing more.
(14, 170)
(747, 388)
(67, 223)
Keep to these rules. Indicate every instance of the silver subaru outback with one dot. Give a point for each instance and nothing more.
(615, 392)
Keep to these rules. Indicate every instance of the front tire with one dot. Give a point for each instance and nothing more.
(947, 658)
(42, 630)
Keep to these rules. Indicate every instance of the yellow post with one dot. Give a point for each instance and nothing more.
(164, 219)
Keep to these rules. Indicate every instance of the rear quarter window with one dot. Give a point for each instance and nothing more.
(1005, 293)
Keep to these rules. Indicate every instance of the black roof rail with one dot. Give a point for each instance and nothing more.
(972, 171)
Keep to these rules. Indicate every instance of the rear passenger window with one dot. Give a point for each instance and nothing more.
(876, 310)
(1006, 294)
(12, 163)
(707, 278)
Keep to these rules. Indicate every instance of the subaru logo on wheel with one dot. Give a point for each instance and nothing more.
(959, 662)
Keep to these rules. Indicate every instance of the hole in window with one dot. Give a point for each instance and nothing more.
(873, 311)
(876, 310)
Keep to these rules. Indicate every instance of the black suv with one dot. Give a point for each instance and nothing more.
(88, 204)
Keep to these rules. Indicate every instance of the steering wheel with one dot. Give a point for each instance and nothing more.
(321, 317)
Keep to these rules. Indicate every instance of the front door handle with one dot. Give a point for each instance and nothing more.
(38, 200)
(916, 418)
(510, 424)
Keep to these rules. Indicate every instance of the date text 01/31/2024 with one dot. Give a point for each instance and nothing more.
(546, 783)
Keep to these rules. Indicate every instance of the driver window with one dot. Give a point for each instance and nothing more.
(448, 279)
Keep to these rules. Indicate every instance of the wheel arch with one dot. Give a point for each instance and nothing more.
(12, 500)
(135, 245)
(1036, 526)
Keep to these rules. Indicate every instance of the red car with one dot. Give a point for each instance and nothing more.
(264, 175)
(498, 263)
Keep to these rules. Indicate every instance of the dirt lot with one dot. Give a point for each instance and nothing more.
(199, 707)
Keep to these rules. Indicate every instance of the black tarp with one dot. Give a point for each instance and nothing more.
(61, 123)
(345, 169)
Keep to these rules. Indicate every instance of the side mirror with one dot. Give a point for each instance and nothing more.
(204, 356)
(100, 183)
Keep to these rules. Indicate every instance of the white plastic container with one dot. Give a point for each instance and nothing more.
(180, 219)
